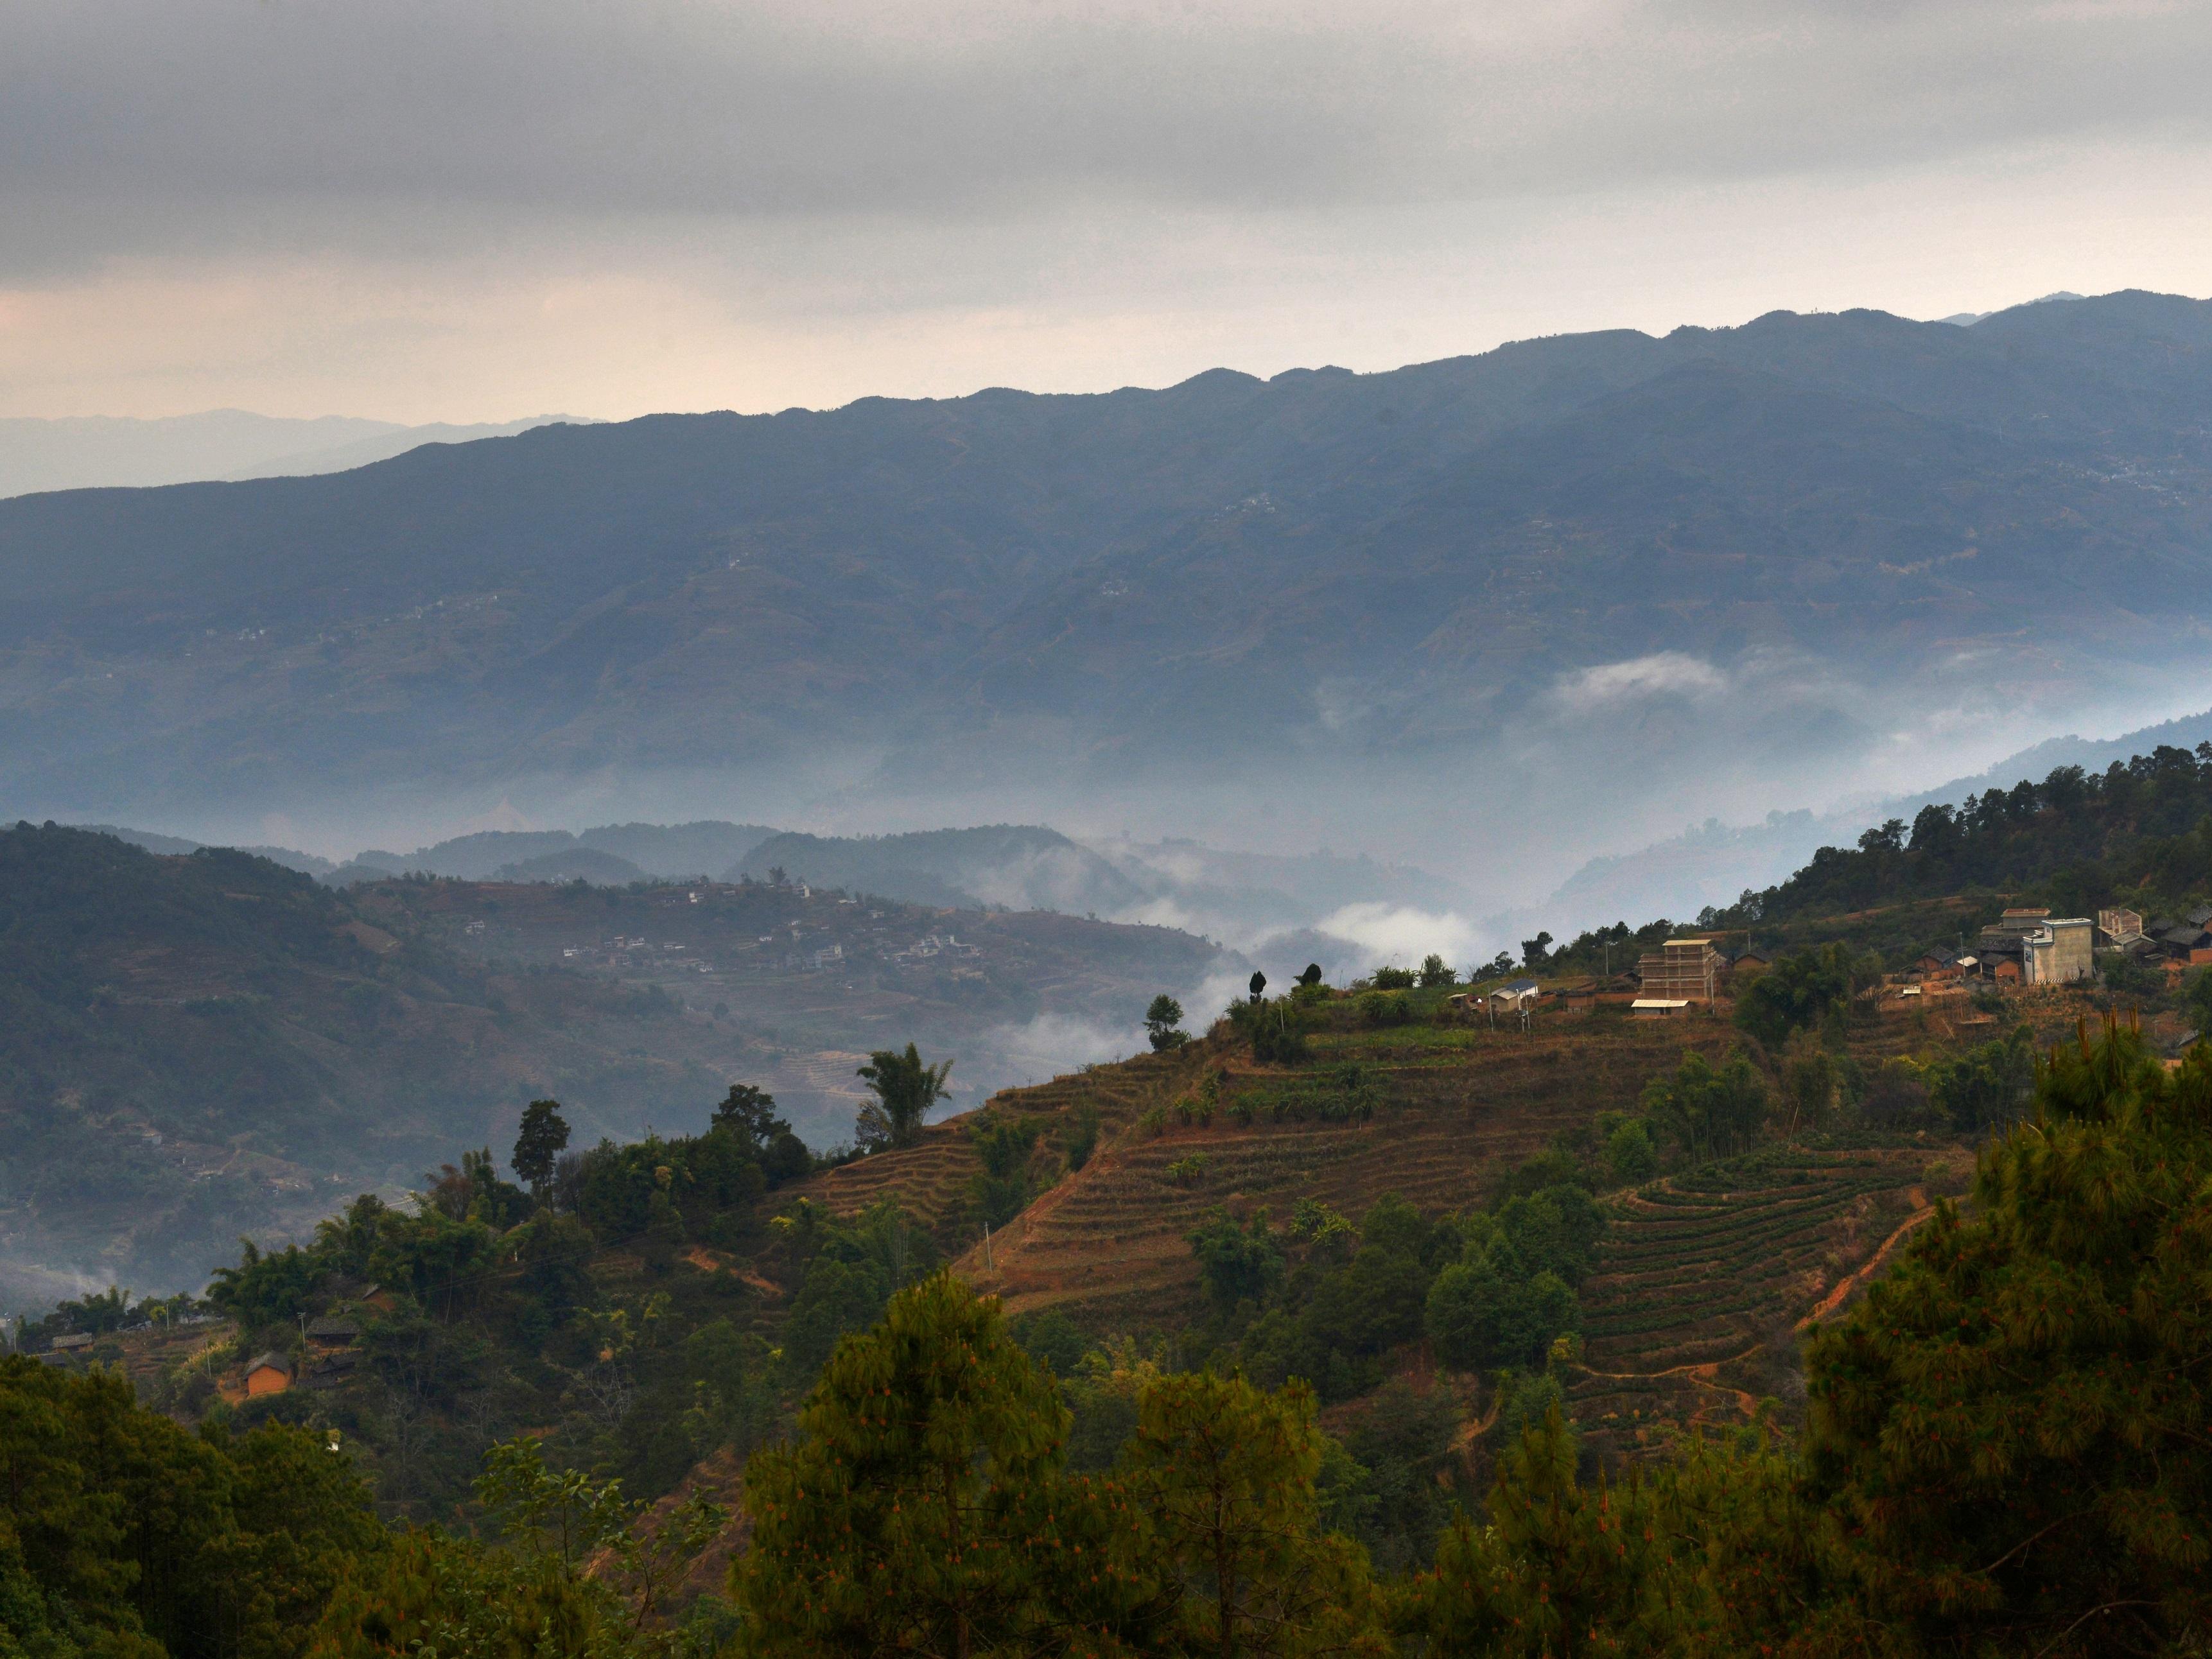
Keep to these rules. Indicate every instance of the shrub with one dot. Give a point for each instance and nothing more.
(1629, 1156)
(1236, 1264)
(1393, 979)
(1385, 1007)
(1080, 1139)
(1276, 1030)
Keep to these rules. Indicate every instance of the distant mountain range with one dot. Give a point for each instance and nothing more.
(99, 452)
(1535, 599)
(195, 1047)
(1280, 905)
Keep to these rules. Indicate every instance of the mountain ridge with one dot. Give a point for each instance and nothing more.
(1843, 518)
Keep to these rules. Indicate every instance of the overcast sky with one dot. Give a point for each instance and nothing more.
(474, 210)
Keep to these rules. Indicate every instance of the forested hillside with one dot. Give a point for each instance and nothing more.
(2137, 833)
(196, 1047)
(1010, 1479)
(203, 1046)
(1005, 581)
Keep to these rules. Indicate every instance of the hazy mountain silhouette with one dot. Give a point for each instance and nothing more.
(95, 452)
(1271, 573)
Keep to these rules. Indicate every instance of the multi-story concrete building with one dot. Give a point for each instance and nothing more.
(2059, 952)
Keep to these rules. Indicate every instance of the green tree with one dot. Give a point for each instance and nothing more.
(905, 1091)
(923, 1508)
(1004, 1142)
(1798, 993)
(301, 1522)
(1435, 971)
(1404, 1443)
(123, 1535)
(1162, 1020)
(1708, 1112)
(1630, 1156)
(1236, 1264)
(1371, 1304)
(262, 1290)
(1480, 1315)
(2009, 1434)
(1987, 1087)
(1223, 1480)
(749, 1113)
(544, 1136)
(1562, 1570)
(2197, 994)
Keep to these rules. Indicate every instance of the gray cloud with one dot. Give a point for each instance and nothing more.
(395, 127)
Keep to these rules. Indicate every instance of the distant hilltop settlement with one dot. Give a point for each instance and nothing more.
(2024, 947)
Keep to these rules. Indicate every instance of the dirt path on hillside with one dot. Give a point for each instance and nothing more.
(1705, 1373)
(1843, 1288)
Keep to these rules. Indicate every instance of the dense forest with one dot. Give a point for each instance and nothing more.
(2004, 1453)
(2139, 833)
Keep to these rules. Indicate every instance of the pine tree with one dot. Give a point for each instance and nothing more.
(2011, 1432)
(1224, 1480)
(924, 1508)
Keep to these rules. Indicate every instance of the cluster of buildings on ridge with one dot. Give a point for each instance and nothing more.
(2024, 946)
(2030, 947)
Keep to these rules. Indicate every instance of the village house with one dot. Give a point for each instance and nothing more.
(1514, 996)
(1941, 964)
(271, 1373)
(2001, 949)
(1518, 999)
(2184, 942)
(1658, 1007)
(2121, 927)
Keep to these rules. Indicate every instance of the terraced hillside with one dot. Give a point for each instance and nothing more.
(1703, 1284)
(1453, 1105)
(931, 1181)
(1706, 1278)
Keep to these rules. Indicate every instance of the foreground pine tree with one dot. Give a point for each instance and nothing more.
(924, 1508)
(2010, 1437)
